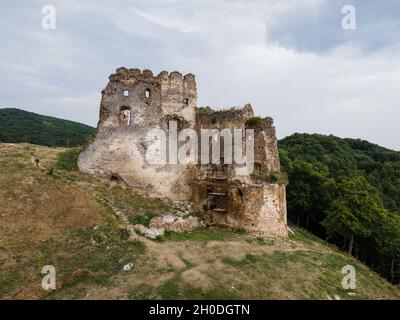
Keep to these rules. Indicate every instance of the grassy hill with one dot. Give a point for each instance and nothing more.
(22, 126)
(64, 218)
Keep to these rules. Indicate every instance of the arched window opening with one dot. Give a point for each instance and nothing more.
(147, 93)
(126, 93)
(186, 101)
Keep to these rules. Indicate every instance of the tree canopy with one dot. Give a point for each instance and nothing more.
(347, 191)
(18, 126)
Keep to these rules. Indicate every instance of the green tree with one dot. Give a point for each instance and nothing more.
(309, 192)
(315, 165)
(355, 211)
(388, 238)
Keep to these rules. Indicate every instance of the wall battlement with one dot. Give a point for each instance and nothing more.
(146, 96)
(164, 77)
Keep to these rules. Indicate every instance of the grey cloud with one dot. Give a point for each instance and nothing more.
(306, 29)
(62, 72)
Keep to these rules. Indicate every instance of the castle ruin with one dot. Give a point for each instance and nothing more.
(135, 103)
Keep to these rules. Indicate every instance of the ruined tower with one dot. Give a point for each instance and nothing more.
(132, 104)
(253, 202)
(135, 103)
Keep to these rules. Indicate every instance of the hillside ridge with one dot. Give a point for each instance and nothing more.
(18, 126)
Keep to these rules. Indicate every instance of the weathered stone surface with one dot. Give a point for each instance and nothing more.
(175, 223)
(127, 267)
(250, 202)
(135, 102)
(151, 232)
(132, 104)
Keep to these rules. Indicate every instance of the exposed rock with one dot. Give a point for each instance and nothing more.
(169, 218)
(151, 232)
(127, 267)
(175, 223)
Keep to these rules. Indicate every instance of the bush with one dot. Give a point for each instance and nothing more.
(204, 111)
(142, 219)
(270, 177)
(253, 122)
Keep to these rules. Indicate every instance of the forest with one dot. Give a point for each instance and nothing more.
(346, 191)
(22, 126)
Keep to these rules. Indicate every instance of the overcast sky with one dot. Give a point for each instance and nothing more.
(291, 59)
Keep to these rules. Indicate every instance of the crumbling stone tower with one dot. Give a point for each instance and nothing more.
(135, 102)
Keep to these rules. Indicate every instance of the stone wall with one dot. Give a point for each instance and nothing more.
(250, 202)
(134, 103)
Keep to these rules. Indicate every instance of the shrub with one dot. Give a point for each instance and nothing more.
(204, 111)
(253, 122)
(142, 219)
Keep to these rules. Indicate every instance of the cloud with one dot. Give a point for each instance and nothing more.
(289, 58)
(316, 26)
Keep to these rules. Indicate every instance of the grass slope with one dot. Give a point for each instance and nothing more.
(22, 126)
(46, 218)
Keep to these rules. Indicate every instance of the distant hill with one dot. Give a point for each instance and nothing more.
(22, 126)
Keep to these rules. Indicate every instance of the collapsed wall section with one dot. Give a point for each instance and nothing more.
(254, 202)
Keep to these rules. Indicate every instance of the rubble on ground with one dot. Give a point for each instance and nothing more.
(175, 223)
(152, 233)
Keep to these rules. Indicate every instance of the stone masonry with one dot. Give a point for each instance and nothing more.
(135, 102)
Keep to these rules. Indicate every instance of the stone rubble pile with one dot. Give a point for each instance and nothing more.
(175, 223)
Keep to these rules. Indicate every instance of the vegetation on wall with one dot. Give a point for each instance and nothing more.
(270, 177)
(204, 111)
(253, 122)
(347, 191)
